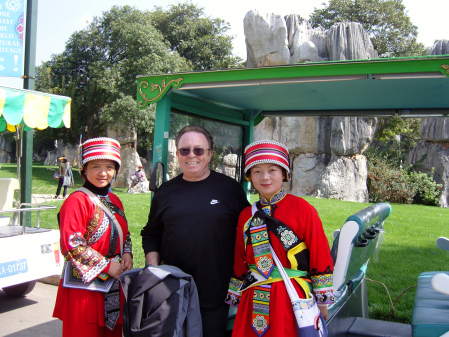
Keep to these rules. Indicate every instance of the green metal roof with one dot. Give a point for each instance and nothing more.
(407, 86)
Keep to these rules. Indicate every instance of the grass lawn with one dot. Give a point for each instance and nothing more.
(408, 248)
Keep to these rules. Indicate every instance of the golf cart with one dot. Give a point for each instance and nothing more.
(230, 103)
(28, 252)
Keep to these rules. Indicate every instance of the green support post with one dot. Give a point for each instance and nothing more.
(26, 161)
(161, 134)
(248, 136)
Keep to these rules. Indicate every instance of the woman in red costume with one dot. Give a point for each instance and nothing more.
(96, 244)
(293, 229)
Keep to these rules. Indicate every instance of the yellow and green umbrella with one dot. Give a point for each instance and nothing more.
(32, 110)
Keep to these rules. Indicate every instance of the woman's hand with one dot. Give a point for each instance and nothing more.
(115, 269)
(323, 310)
(127, 261)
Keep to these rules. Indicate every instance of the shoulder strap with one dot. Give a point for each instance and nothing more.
(97, 202)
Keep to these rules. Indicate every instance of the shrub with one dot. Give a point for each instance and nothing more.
(428, 192)
(388, 183)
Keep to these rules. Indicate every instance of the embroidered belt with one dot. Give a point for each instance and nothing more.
(254, 279)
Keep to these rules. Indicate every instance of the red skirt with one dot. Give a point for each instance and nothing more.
(84, 310)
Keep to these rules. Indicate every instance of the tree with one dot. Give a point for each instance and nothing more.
(386, 21)
(100, 63)
(201, 40)
(99, 66)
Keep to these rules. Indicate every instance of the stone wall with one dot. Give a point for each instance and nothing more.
(326, 152)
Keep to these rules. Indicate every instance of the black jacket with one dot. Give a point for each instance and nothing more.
(160, 302)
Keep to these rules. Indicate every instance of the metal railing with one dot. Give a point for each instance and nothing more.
(28, 207)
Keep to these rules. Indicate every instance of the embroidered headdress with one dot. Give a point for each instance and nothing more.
(266, 152)
(100, 148)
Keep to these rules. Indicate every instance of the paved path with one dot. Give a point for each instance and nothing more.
(30, 316)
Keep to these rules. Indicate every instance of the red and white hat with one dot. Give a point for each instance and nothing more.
(266, 152)
(100, 148)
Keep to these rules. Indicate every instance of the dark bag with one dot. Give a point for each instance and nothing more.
(160, 302)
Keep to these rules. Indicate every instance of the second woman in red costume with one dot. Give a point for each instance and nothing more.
(96, 244)
(292, 227)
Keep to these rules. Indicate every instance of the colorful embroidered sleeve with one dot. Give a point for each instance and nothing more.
(320, 260)
(81, 227)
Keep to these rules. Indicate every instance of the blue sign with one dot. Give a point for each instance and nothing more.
(12, 36)
(13, 268)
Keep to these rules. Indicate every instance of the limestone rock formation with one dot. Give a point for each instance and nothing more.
(266, 40)
(431, 155)
(351, 135)
(433, 158)
(440, 47)
(129, 157)
(344, 178)
(349, 41)
(70, 151)
(326, 151)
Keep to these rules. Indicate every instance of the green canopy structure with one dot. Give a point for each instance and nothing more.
(32, 110)
(414, 86)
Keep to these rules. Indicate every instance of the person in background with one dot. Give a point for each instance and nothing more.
(96, 244)
(192, 222)
(64, 176)
(292, 227)
(136, 178)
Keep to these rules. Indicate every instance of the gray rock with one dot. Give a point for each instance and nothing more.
(266, 39)
(304, 42)
(70, 151)
(351, 135)
(440, 47)
(349, 41)
(307, 170)
(128, 154)
(299, 134)
(435, 129)
(344, 178)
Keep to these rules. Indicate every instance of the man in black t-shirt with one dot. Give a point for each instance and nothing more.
(192, 224)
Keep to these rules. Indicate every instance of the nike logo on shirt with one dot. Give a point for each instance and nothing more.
(214, 201)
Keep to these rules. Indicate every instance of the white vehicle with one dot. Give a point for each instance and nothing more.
(28, 251)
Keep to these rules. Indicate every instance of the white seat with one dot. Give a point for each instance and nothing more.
(345, 244)
(8, 186)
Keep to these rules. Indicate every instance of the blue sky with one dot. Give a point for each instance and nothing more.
(54, 28)
(58, 19)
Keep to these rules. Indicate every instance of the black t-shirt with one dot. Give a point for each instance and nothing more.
(192, 225)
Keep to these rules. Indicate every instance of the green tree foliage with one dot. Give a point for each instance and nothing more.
(98, 69)
(100, 63)
(201, 40)
(386, 21)
(395, 137)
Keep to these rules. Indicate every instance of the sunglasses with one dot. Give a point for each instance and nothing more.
(197, 151)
